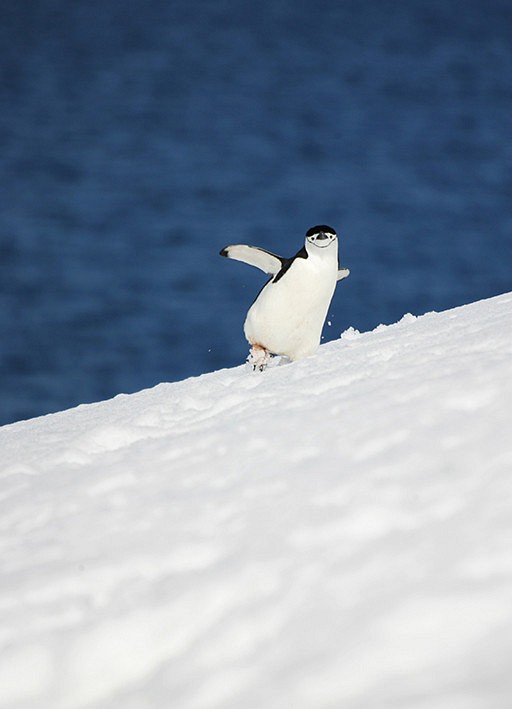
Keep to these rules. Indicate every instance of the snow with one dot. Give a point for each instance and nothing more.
(336, 532)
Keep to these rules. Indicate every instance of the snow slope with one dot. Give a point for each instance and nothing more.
(332, 533)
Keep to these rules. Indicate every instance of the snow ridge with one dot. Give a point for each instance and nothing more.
(335, 532)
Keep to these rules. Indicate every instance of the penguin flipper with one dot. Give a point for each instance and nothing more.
(254, 256)
(343, 273)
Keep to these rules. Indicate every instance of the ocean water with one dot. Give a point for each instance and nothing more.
(137, 139)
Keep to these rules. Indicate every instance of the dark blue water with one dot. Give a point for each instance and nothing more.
(137, 139)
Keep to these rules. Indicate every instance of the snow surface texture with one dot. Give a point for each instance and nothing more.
(332, 533)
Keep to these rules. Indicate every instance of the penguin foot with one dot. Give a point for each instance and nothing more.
(258, 358)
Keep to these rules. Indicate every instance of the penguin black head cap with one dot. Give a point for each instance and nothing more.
(320, 229)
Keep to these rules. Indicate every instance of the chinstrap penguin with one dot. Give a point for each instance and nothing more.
(289, 312)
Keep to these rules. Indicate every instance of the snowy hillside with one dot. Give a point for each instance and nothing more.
(335, 533)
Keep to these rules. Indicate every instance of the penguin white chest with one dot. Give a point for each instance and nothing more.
(288, 315)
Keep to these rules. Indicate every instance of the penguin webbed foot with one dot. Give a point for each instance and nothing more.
(258, 358)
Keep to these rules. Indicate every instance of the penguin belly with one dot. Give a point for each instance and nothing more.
(287, 317)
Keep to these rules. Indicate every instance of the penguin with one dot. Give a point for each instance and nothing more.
(288, 314)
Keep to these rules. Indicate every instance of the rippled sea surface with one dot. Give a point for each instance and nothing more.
(137, 139)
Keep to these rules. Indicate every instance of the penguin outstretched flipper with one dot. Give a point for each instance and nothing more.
(254, 256)
(343, 273)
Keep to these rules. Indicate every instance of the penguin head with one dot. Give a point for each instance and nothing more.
(320, 236)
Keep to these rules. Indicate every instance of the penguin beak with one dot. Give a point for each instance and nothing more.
(321, 236)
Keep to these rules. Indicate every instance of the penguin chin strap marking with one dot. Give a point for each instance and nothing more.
(258, 358)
